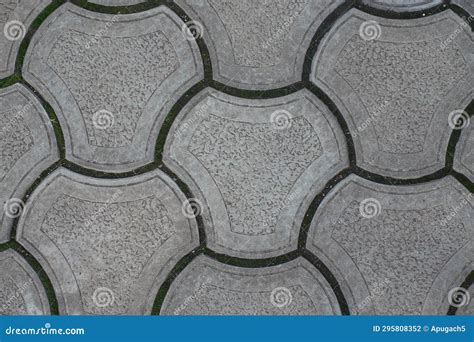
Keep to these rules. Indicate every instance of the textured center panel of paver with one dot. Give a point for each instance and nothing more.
(258, 164)
(397, 245)
(120, 241)
(396, 83)
(111, 79)
(15, 140)
(209, 288)
(6, 8)
(107, 244)
(247, 160)
(149, 60)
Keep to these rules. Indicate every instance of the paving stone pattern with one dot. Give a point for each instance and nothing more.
(236, 157)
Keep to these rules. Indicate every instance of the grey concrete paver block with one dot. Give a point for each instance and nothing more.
(396, 248)
(127, 72)
(207, 287)
(27, 147)
(15, 18)
(396, 83)
(255, 165)
(21, 291)
(106, 245)
(258, 44)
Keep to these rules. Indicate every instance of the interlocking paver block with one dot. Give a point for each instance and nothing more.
(27, 147)
(111, 79)
(257, 163)
(207, 287)
(15, 18)
(21, 291)
(396, 247)
(403, 5)
(258, 44)
(464, 157)
(396, 83)
(106, 244)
